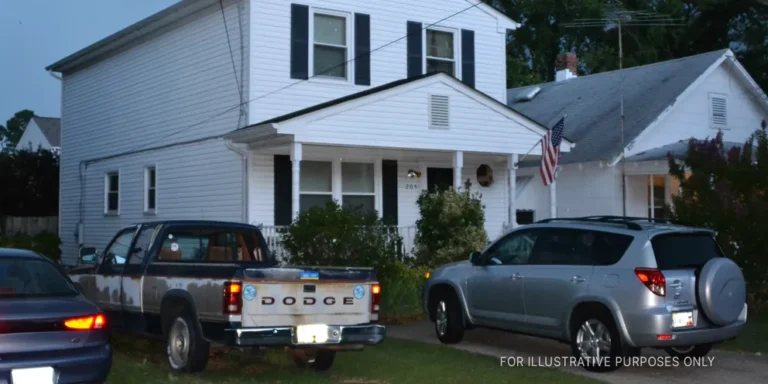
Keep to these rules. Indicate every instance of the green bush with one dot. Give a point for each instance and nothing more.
(401, 294)
(337, 236)
(46, 244)
(451, 226)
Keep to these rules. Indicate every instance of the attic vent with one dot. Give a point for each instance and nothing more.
(719, 111)
(438, 112)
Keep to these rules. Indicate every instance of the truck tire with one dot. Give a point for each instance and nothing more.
(320, 360)
(186, 348)
(449, 324)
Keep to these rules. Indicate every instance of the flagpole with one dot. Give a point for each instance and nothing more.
(534, 146)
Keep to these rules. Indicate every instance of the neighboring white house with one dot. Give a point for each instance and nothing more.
(41, 132)
(665, 104)
(289, 106)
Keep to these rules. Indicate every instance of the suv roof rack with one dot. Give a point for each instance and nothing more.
(629, 222)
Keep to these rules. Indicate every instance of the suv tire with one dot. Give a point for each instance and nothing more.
(598, 330)
(449, 322)
(699, 350)
(186, 348)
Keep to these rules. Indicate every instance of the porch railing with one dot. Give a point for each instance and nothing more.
(271, 234)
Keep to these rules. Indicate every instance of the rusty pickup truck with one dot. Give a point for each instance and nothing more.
(197, 283)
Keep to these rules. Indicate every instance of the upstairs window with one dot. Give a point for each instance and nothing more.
(150, 189)
(440, 51)
(112, 193)
(330, 49)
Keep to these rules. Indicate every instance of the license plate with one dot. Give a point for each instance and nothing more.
(311, 333)
(42, 375)
(682, 319)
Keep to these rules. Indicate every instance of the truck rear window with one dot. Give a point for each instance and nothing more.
(683, 250)
(212, 245)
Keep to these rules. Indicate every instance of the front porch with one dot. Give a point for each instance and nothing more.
(379, 149)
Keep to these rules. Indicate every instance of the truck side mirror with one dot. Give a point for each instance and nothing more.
(474, 258)
(88, 255)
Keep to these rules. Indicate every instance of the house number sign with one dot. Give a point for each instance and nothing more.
(412, 186)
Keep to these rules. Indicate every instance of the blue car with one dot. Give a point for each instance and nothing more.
(49, 332)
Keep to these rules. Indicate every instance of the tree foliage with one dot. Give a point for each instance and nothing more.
(727, 190)
(709, 25)
(30, 183)
(11, 132)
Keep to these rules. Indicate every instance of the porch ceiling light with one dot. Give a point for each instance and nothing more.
(412, 174)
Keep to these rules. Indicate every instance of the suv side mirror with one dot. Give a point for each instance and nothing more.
(88, 255)
(474, 258)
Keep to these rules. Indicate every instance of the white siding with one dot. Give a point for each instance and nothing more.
(691, 117)
(261, 203)
(32, 138)
(399, 120)
(270, 49)
(162, 91)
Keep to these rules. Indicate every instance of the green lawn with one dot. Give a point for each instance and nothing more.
(395, 361)
(752, 337)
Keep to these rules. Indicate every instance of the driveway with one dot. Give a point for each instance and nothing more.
(725, 367)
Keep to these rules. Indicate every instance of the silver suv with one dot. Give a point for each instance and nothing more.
(607, 285)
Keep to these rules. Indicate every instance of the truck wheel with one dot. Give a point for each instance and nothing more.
(187, 350)
(699, 350)
(595, 340)
(449, 325)
(320, 360)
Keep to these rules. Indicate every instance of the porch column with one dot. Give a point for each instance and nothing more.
(512, 180)
(458, 163)
(553, 195)
(295, 177)
(650, 196)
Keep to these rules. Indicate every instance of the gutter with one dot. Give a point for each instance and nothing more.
(242, 150)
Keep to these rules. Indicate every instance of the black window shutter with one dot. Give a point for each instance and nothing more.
(299, 41)
(362, 49)
(389, 191)
(468, 57)
(283, 191)
(414, 49)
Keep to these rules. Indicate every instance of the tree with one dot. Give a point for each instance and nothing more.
(727, 190)
(10, 134)
(30, 183)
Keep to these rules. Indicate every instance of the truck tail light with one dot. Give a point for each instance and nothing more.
(653, 279)
(86, 322)
(375, 298)
(233, 303)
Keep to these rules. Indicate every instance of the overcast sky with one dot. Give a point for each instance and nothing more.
(36, 33)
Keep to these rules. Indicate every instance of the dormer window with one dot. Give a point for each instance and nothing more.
(440, 46)
(330, 49)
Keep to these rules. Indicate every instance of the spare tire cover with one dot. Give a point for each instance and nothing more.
(722, 290)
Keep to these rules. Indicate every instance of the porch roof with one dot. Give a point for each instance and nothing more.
(677, 150)
(486, 99)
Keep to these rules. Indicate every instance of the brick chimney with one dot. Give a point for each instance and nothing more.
(566, 66)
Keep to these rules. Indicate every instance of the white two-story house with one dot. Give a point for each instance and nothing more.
(255, 110)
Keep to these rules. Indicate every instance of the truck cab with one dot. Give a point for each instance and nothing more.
(197, 283)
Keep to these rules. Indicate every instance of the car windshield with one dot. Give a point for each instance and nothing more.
(683, 250)
(21, 277)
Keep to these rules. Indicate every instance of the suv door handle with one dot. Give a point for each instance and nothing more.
(577, 279)
(516, 276)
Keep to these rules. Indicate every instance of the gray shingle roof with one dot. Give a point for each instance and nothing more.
(677, 150)
(51, 128)
(592, 103)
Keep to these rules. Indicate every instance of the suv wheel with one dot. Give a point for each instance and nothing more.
(699, 350)
(187, 350)
(596, 341)
(449, 325)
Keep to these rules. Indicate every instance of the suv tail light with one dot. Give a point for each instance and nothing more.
(233, 303)
(375, 298)
(86, 322)
(653, 279)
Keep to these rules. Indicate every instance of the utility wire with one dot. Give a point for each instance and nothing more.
(232, 57)
(186, 128)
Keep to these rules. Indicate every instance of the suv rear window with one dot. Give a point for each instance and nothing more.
(684, 250)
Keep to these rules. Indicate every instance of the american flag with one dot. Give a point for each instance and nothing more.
(550, 152)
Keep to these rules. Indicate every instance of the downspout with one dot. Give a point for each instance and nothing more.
(242, 150)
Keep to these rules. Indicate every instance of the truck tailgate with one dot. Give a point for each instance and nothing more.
(298, 296)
